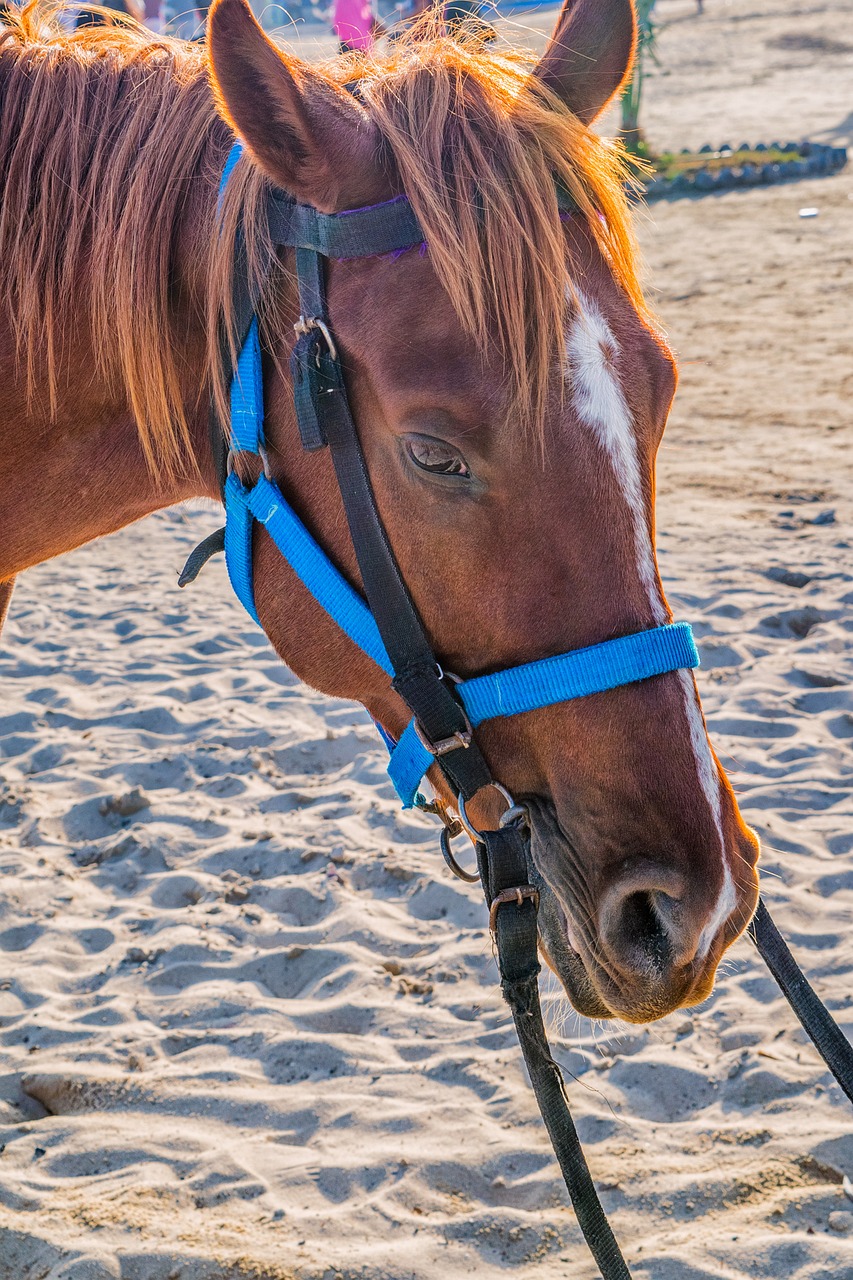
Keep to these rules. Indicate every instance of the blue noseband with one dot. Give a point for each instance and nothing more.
(575, 674)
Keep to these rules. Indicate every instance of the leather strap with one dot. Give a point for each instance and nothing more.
(816, 1020)
(503, 867)
(417, 677)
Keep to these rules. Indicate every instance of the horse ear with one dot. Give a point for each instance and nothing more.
(307, 135)
(590, 54)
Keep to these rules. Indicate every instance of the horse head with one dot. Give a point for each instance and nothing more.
(510, 392)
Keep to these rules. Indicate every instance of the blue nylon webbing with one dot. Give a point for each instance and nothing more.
(579, 672)
(238, 544)
(233, 156)
(247, 395)
(575, 674)
(408, 763)
(267, 504)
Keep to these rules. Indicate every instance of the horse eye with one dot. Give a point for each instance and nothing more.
(437, 457)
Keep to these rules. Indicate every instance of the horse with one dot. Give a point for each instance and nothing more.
(509, 385)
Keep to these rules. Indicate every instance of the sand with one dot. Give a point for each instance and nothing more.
(250, 1027)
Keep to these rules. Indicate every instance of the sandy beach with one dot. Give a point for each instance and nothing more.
(250, 1026)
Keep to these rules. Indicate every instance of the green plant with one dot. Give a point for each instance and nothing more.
(632, 134)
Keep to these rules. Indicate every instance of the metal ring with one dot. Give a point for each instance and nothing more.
(518, 813)
(463, 816)
(231, 465)
(306, 323)
(447, 852)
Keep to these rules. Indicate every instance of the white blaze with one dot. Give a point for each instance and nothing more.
(599, 401)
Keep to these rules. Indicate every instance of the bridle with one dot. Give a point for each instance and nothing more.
(445, 712)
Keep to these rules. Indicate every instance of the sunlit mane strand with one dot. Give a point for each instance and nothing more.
(480, 145)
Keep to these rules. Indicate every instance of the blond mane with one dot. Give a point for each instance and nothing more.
(104, 131)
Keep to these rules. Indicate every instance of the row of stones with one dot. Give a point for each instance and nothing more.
(814, 159)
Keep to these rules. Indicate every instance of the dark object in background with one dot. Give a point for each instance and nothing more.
(127, 8)
(465, 18)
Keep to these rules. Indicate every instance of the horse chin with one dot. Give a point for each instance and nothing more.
(554, 931)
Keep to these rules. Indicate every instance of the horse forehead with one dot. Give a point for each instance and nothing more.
(395, 318)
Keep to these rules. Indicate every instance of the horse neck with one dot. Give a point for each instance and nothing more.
(76, 472)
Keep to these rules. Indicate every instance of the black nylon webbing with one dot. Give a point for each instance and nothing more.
(358, 233)
(817, 1022)
(417, 678)
(503, 865)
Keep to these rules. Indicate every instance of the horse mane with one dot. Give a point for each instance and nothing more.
(105, 131)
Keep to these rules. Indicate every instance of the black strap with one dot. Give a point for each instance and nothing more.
(357, 233)
(503, 867)
(418, 679)
(818, 1023)
(212, 545)
(323, 414)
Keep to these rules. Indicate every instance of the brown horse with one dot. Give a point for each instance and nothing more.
(509, 387)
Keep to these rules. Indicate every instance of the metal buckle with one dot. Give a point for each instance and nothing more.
(306, 323)
(461, 739)
(518, 895)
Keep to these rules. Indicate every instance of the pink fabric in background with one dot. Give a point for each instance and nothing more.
(353, 23)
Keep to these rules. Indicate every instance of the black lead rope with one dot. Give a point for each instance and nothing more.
(503, 868)
(817, 1022)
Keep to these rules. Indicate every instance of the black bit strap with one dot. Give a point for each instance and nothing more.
(312, 360)
(503, 867)
(418, 678)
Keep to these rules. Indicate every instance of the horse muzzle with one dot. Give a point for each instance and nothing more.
(637, 948)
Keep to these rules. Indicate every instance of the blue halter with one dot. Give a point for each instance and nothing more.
(575, 674)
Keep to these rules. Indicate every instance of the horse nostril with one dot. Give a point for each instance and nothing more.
(644, 925)
(641, 921)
